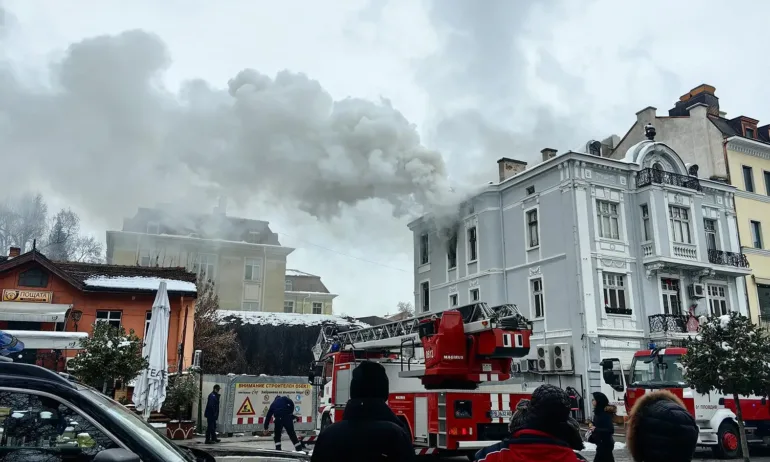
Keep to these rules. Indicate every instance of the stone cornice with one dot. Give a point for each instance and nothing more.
(750, 147)
(752, 196)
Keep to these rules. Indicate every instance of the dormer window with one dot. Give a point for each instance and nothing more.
(748, 132)
(253, 237)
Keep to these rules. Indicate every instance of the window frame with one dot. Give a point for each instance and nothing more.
(646, 223)
(724, 298)
(454, 300)
(680, 221)
(147, 321)
(198, 265)
(290, 303)
(424, 296)
(251, 302)
(44, 277)
(610, 216)
(666, 294)
(534, 295)
(451, 255)
(288, 285)
(756, 234)
(749, 131)
(256, 276)
(313, 306)
(711, 232)
(424, 249)
(472, 238)
(109, 319)
(532, 240)
(474, 295)
(615, 284)
(748, 173)
(766, 176)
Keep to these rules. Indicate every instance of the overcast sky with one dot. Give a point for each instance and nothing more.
(107, 105)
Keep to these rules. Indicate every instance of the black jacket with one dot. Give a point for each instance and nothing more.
(212, 407)
(281, 408)
(369, 432)
(603, 426)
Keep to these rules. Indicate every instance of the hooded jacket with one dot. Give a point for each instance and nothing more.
(660, 429)
(529, 446)
(604, 428)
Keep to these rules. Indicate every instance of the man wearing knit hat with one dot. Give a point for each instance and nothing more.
(369, 430)
(660, 429)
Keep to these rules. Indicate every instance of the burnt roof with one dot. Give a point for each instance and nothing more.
(374, 320)
(306, 283)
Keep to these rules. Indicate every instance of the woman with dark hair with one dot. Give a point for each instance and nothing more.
(603, 428)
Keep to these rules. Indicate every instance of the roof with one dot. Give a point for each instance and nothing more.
(286, 319)
(293, 272)
(374, 320)
(97, 277)
(305, 282)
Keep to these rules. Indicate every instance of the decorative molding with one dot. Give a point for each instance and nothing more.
(537, 262)
(535, 271)
(623, 180)
(652, 268)
(453, 289)
(755, 251)
(587, 173)
(612, 263)
(752, 196)
(752, 148)
(630, 344)
(473, 283)
(469, 277)
(471, 222)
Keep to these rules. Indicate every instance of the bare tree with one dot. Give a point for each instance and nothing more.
(406, 307)
(22, 221)
(64, 242)
(222, 352)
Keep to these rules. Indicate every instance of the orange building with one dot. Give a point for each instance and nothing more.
(51, 305)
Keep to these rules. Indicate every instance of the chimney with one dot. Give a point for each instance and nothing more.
(509, 167)
(14, 252)
(704, 94)
(548, 153)
(646, 116)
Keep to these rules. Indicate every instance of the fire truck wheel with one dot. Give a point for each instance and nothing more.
(325, 421)
(729, 444)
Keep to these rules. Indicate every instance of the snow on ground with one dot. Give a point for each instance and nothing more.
(590, 447)
(139, 282)
(288, 319)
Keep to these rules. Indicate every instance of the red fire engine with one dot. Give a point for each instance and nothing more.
(435, 363)
(661, 369)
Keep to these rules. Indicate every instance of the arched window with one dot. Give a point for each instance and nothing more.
(657, 166)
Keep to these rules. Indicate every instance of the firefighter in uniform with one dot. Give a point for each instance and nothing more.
(282, 411)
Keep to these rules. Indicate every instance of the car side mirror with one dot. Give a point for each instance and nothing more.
(117, 455)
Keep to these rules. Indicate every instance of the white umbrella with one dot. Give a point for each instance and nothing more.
(150, 389)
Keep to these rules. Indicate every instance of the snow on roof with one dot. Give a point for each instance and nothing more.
(139, 283)
(288, 319)
(293, 272)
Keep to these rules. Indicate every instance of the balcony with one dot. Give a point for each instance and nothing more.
(720, 257)
(668, 323)
(648, 176)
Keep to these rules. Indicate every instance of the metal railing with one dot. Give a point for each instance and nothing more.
(721, 257)
(668, 323)
(648, 176)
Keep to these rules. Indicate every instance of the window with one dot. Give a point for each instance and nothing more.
(288, 285)
(250, 306)
(452, 252)
(205, 266)
(717, 299)
(533, 233)
(711, 233)
(253, 237)
(424, 249)
(536, 287)
(608, 219)
(34, 277)
(318, 308)
(472, 248)
(767, 183)
(680, 224)
(615, 293)
(530, 190)
(749, 132)
(453, 300)
(253, 269)
(425, 295)
(756, 234)
(657, 166)
(110, 317)
(475, 295)
(288, 306)
(748, 178)
(147, 319)
(671, 300)
(646, 229)
(144, 261)
(153, 227)
(34, 424)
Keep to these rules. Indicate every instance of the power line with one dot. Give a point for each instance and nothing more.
(343, 254)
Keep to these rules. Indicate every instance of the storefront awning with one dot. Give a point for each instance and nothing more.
(44, 340)
(32, 312)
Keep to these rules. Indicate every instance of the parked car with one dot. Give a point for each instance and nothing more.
(46, 416)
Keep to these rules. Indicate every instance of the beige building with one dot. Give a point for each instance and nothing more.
(243, 257)
(306, 294)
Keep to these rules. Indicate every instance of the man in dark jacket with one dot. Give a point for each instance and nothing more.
(282, 410)
(369, 430)
(660, 429)
(212, 414)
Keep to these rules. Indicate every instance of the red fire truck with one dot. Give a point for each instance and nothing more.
(435, 363)
(661, 369)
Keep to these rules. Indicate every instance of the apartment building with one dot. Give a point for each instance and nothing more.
(733, 150)
(242, 257)
(601, 254)
(306, 294)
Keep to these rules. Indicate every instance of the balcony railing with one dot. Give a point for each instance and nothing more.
(676, 323)
(720, 257)
(649, 176)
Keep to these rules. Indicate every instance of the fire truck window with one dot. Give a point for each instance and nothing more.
(463, 409)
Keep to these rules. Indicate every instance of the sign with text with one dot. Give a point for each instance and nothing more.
(30, 296)
(252, 400)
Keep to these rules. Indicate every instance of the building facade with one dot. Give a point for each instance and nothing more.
(242, 257)
(736, 151)
(306, 294)
(600, 254)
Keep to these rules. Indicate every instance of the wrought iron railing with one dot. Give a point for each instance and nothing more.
(648, 176)
(668, 323)
(720, 257)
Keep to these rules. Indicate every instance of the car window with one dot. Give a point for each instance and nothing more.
(36, 427)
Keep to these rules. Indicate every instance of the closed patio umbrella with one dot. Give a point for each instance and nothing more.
(150, 389)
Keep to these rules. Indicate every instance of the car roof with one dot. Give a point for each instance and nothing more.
(20, 370)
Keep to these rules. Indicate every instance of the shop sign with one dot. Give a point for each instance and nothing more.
(32, 296)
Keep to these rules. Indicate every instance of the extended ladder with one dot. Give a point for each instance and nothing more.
(394, 334)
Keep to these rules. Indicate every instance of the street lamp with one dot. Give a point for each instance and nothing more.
(76, 316)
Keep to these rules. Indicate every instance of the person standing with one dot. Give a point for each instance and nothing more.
(369, 430)
(212, 414)
(660, 429)
(282, 411)
(603, 428)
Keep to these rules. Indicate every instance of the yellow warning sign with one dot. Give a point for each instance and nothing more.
(246, 408)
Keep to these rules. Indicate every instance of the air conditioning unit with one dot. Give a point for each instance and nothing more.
(544, 358)
(696, 290)
(68, 364)
(562, 356)
(520, 366)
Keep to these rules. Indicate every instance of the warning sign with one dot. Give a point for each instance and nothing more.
(246, 408)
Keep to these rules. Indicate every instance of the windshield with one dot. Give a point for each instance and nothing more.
(657, 372)
(140, 429)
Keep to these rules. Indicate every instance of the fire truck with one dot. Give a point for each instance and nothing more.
(435, 364)
(661, 369)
